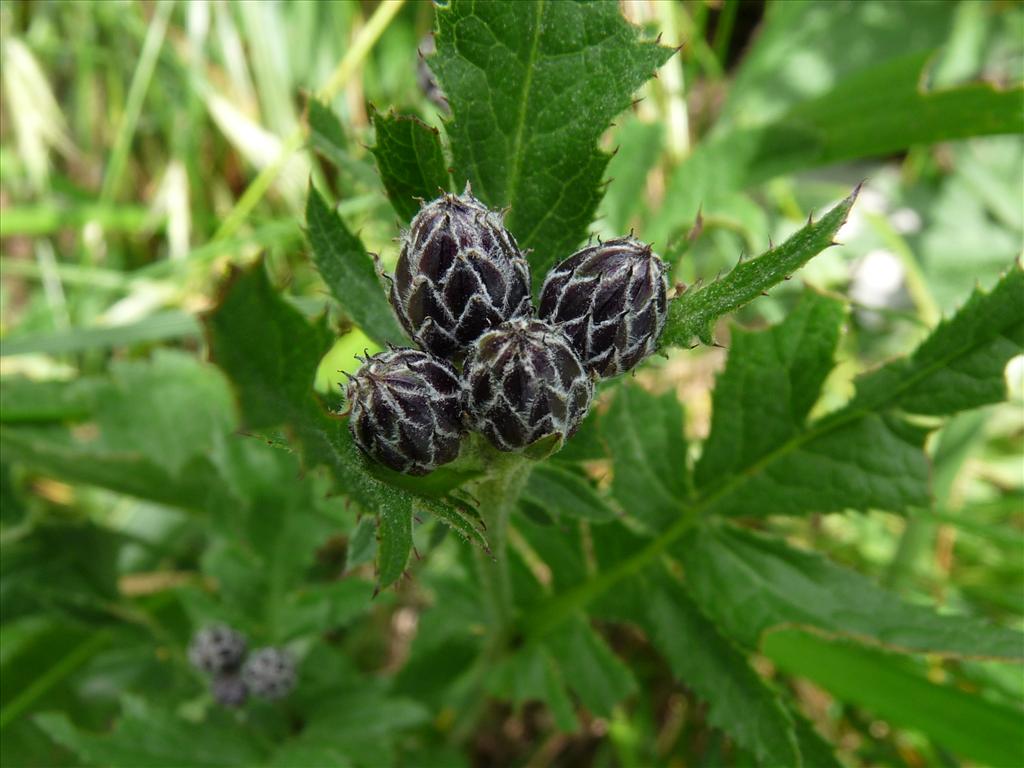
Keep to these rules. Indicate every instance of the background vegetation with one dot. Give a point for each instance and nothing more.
(148, 148)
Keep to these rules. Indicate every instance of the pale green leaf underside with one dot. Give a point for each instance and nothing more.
(751, 584)
(876, 111)
(891, 687)
(532, 85)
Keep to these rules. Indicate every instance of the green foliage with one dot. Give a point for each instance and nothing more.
(349, 272)
(410, 160)
(826, 488)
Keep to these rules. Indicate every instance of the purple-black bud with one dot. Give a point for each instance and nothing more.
(610, 299)
(525, 384)
(406, 410)
(459, 274)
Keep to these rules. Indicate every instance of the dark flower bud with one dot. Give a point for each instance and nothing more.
(269, 673)
(525, 384)
(406, 410)
(610, 300)
(459, 274)
(229, 690)
(217, 650)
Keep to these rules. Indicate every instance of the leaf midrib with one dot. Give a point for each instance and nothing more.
(517, 144)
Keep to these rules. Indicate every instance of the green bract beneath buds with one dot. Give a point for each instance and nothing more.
(459, 274)
(525, 384)
(405, 410)
(610, 299)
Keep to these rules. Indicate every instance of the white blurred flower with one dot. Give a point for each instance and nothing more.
(1015, 378)
(877, 280)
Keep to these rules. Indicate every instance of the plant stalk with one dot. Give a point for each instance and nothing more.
(497, 494)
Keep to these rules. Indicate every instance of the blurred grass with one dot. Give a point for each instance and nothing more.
(170, 141)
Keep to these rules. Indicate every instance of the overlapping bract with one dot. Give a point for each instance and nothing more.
(524, 383)
(610, 299)
(405, 410)
(459, 274)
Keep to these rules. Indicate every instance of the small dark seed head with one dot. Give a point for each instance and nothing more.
(217, 650)
(406, 410)
(610, 299)
(229, 690)
(525, 383)
(459, 274)
(269, 673)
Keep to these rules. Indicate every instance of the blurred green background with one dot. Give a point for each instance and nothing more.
(146, 147)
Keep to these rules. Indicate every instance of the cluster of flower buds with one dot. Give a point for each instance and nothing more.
(220, 652)
(488, 363)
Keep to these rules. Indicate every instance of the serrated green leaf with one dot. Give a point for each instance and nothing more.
(462, 519)
(644, 434)
(410, 160)
(761, 459)
(863, 463)
(149, 738)
(169, 409)
(326, 133)
(815, 750)
(349, 272)
(750, 585)
(532, 86)
(320, 608)
(266, 347)
(394, 542)
(961, 365)
(590, 668)
(693, 314)
(562, 491)
(270, 353)
(892, 688)
(771, 381)
(739, 702)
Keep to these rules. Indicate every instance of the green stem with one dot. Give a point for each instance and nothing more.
(497, 494)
